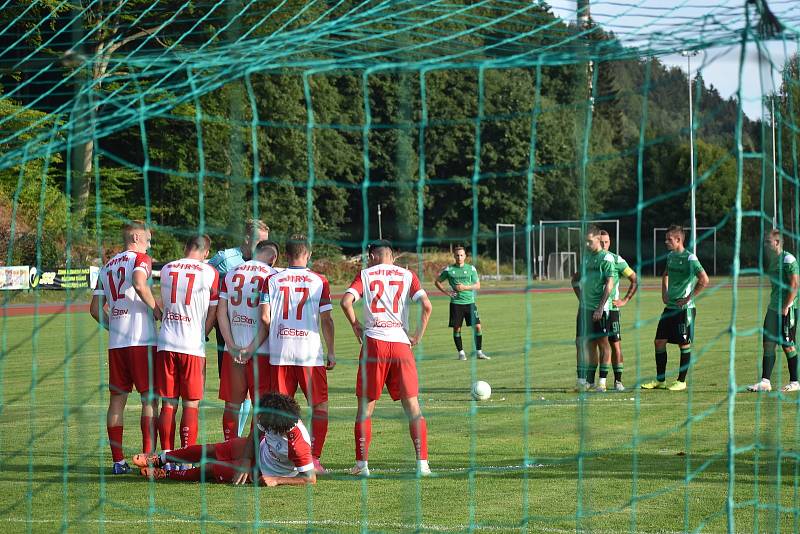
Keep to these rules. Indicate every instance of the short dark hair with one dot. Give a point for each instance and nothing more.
(198, 242)
(131, 228)
(267, 244)
(593, 230)
(379, 244)
(278, 412)
(676, 229)
(603, 232)
(459, 247)
(297, 245)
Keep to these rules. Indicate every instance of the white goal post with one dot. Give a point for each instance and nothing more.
(664, 228)
(573, 225)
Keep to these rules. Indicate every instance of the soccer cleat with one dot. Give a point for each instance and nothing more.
(600, 388)
(144, 460)
(655, 384)
(580, 386)
(677, 386)
(423, 469)
(462, 356)
(619, 386)
(120, 468)
(482, 356)
(761, 385)
(156, 473)
(791, 386)
(318, 467)
(360, 471)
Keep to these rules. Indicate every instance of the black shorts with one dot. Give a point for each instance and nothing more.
(677, 326)
(463, 313)
(614, 328)
(780, 329)
(586, 327)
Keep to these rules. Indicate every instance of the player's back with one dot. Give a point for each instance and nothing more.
(242, 288)
(285, 454)
(131, 322)
(386, 290)
(297, 296)
(188, 287)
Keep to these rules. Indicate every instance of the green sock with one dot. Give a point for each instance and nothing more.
(618, 367)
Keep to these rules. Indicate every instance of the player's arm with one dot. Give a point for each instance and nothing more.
(476, 283)
(301, 479)
(633, 285)
(98, 311)
(245, 458)
(326, 320)
(665, 287)
(143, 290)
(794, 280)
(350, 314)
(224, 324)
(576, 284)
(607, 289)
(423, 321)
(213, 302)
(441, 287)
(702, 282)
(265, 319)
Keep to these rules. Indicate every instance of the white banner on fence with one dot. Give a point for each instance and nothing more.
(15, 277)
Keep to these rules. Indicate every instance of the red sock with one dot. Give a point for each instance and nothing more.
(190, 454)
(148, 433)
(363, 432)
(166, 427)
(230, 424)
(190, 475)
(319, 429)
(189, 420)
(419, 436)
(115, 440)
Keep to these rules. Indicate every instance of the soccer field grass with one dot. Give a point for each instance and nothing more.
(535, 455)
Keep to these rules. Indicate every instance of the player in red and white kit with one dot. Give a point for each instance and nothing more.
(130, 321)
(295, 307)
(188, 294)
(386, 357)
(239, 321)
(284, 452)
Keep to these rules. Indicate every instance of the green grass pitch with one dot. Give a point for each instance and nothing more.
(645, 461)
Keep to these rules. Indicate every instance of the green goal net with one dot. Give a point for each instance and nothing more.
(430, 123)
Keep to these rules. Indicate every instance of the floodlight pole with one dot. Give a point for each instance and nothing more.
(774, 172)
(689, 55)
(380, 226)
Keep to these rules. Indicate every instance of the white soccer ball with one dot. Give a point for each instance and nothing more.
(481, 390)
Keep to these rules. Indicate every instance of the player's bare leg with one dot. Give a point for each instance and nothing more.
(114, 426)
(363, 435)
(617, 364)
(418, 429)
(462, 356)
(319, 430)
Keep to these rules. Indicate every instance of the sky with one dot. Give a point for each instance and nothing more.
(633, 21)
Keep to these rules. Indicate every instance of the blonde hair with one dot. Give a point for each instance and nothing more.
(130, 229)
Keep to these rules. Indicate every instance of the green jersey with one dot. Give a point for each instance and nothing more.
(597, 268)
(780, 271)
(621, 268)
(466, 275)
(682, 270)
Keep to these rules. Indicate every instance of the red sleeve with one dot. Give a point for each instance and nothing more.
(415, 285)
(358, 285)
(299, 449)
(143, 261)
(325, 298)
(214, 286)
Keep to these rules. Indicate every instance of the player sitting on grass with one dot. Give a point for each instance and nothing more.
(284, 452)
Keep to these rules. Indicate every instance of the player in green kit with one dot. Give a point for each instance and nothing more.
(621, 268)
(683, 279)
(780, 323)
(463, 280)
(593, 285)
